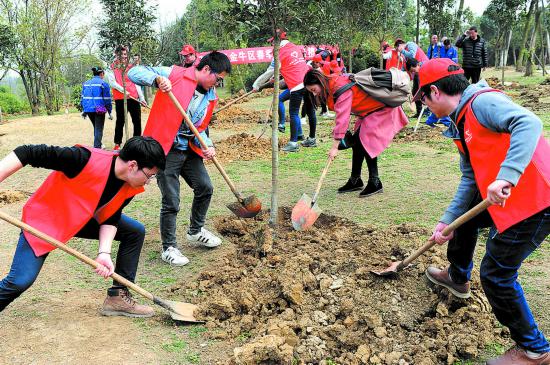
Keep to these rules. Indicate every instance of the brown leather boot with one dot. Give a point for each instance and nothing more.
(442, 278)
(517, 356)
(119, 302)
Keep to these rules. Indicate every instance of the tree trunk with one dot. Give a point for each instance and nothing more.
(541, 28)
(456, 29)
(274, 214)
(350, 68)
(125, 103)
(30, 89)
(526, 28)
(417, 21)
(532, 43)
(505, 54)
(547, 44)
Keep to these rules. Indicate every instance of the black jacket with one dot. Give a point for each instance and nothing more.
(474, 52)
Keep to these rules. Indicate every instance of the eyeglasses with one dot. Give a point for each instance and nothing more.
(219, 79)
(149, 177)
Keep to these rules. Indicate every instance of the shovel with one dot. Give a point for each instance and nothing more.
(397, 266)
(245, 207)
(419, 117)
(265, 122)
(233, 101)
(178, 311)
(306, 211)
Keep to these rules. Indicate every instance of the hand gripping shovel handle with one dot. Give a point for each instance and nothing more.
(451, 227)
(71, 251)
(325, 170)
(233, 101)
(205, 146)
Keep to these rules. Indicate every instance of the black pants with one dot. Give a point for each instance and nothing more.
(358, 155)
(134, 108)
(416, 86)
(472, 73)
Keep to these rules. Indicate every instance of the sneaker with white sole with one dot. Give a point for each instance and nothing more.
(204, 238)
(173, 256)
(327, 115)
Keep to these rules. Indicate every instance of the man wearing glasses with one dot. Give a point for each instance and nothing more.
(194, 87)
(188, 56)
(84, 197)
(503, 158)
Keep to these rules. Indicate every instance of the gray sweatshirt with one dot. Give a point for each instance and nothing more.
(496, 112)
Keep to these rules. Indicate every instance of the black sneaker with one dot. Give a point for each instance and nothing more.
(301, 138)
(281, 129)
(374, 186)
(353, 184)
(309, 142)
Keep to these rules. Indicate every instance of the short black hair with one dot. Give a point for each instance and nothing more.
(120, 48)
(146, 151)
(450, 85)
(473, 27)
(411, 62)
(398, 41)
(97, 71)
(217, 61)
(446, 42)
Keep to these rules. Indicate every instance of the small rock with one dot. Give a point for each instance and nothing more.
(380, 332)
(336, 284)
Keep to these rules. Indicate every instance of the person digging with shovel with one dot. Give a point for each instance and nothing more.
(84, 197)
(375, 127)
(503, 158)
(194, 88)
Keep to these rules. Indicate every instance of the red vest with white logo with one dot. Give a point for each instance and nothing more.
(165, 119)
(130, 86)
(62, 206)
(362, 103)
(293, 65)
(397, 60)
(487, 151)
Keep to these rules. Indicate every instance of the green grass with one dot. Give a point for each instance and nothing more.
(176, 345)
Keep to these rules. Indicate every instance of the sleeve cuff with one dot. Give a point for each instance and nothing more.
(448, 217)
(509, 174)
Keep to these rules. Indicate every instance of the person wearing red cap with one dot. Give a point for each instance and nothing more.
(393, 56)
(375, 127)
(503, 158)
(188, 56)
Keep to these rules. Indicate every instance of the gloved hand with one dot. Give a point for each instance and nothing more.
(110, 116)
(438, 237)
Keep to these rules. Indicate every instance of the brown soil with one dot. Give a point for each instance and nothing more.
(12, 196)
(245, 147)
(422, 134)
(238, 118)
(535, 98)
(310, 296)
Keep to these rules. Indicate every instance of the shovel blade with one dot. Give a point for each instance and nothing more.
(249, 209)
(179, 311)
(304, 214)
(393, 269)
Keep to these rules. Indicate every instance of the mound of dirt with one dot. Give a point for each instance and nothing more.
(309, 296)
(245, 147)
(422, 134)
(535, 98)
(231, 117)
(12, 196)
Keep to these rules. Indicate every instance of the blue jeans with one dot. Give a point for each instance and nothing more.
(505, 252)
(98, 121)
(26, 266)
(295, 98)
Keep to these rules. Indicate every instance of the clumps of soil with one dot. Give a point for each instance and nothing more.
(306, 297)
(12, 196)
(535, 98)
(234, 117)
(495, 83)
(422, 134)
(245, 147)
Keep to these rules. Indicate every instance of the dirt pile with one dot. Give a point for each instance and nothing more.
(236, 117)
(12, 196)
(422, 134)
(309, 296)
(245, 147)
(535, 98)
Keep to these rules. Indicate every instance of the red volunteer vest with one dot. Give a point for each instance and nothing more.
(62, 206)
(362, 103)
(165, 119)
(420, 56)
(487, 151)
(396, 60)
(130, 86)
(293, 65)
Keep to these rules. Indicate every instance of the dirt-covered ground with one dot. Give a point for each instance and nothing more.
(310, 296)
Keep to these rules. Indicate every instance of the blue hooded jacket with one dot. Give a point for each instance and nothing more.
(96, 93)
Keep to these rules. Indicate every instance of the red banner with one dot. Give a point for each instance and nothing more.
(257, 54)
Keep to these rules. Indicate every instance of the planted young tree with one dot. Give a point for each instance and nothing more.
(128, 23)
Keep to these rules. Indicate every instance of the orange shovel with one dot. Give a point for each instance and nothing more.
(306, 211)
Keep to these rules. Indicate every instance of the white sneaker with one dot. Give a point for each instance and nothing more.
(204, 238)
(173, 256)
(327, 115)
(303, 121)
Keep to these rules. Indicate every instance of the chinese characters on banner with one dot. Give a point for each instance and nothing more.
(257, 54)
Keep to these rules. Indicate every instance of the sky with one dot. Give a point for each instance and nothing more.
(477, 6)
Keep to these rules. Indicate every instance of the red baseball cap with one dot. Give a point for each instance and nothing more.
(282, 35)
(436, 69)
(187, 49)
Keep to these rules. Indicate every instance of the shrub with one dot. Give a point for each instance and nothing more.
(10, 103)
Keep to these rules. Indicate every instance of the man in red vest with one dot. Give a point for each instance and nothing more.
(504, 158)
(84, 197)
(134, 95)
(194, 87)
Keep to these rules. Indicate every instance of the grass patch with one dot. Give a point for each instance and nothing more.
(176, 345)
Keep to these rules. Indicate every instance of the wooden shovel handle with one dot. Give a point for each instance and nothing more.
(71, 251)
(325, 170)
(233, 101)
(204, 146)
(451, 227)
